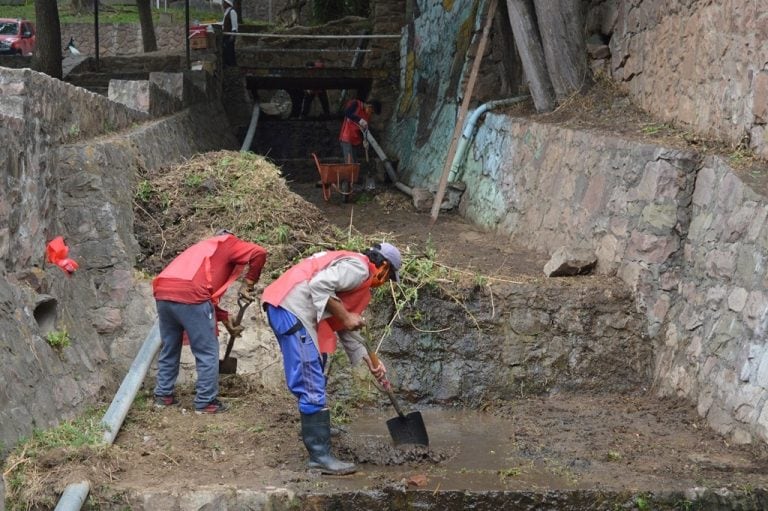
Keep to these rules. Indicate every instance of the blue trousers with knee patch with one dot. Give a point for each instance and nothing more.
(301, 360)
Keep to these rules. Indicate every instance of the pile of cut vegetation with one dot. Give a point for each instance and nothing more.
(245, 193)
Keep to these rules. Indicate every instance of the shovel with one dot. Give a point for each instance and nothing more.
(404, 429)
(229, 364)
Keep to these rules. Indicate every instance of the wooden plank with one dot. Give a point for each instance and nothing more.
(463, 111)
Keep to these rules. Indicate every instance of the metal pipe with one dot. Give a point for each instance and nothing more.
(469, 128)
(382, 156)
(251, 129)
(74, 495)
(121, 403)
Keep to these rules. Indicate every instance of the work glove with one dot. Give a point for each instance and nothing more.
(246, 292)
(234, 330)
(363, 124)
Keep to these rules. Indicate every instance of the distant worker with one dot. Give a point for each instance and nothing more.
(321, 296)
(311, 94)
(357, 115)
(354, 130)
(229, 24)
(187, 294)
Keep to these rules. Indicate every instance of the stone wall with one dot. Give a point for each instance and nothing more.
(697, 64)
(70, 164)
(121, 38)
(682, 230)
(517, 339)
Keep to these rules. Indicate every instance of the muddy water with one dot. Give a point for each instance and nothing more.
(468, 451)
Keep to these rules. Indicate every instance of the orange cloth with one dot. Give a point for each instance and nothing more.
(56, 252)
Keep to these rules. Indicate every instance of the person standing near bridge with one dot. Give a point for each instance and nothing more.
(229, 24)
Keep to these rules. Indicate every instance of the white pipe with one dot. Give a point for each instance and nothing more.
(251, 128)
(74, 495)
(387, 164)
(469, 128)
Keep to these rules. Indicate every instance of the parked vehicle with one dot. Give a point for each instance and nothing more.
(17, 37)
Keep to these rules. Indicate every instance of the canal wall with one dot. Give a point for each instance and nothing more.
(682, 228)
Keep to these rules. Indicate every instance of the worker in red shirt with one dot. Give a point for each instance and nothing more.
(187, 294)
(357, 115)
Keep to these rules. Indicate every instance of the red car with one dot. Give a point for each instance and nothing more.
(17, 37)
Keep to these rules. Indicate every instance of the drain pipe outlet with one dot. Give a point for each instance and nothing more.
(74, 495)
(469, 128)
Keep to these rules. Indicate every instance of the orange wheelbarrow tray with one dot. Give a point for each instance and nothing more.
(341, 176)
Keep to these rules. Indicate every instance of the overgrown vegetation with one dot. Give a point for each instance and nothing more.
(40, 466)
(58, 339)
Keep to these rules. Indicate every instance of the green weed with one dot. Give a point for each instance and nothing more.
(740, 156)
(145, 191)
(194, 180)
(509, 472)
(613, 456)
(58, 339)
(653, 129)
(73, 132)
(642, 503)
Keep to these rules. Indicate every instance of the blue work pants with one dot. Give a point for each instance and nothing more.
(198, 320)
(301, 361)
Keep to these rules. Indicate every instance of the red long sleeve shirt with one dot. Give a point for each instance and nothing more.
(205, 270)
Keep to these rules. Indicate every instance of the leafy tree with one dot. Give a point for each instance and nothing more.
(47, 56)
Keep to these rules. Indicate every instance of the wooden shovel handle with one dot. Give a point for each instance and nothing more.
(243, 305)
(385, 383)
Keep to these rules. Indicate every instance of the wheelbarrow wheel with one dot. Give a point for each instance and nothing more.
(346, 190)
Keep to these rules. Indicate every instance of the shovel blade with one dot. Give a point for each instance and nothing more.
(409, 429)
(228, 366)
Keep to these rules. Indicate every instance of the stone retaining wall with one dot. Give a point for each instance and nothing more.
(70, 165)
(697, 64)
(120, 38)
(682, 230)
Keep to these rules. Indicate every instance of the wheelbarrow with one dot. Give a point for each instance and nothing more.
(339, 176)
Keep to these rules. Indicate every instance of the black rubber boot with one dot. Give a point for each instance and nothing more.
(316, 432)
